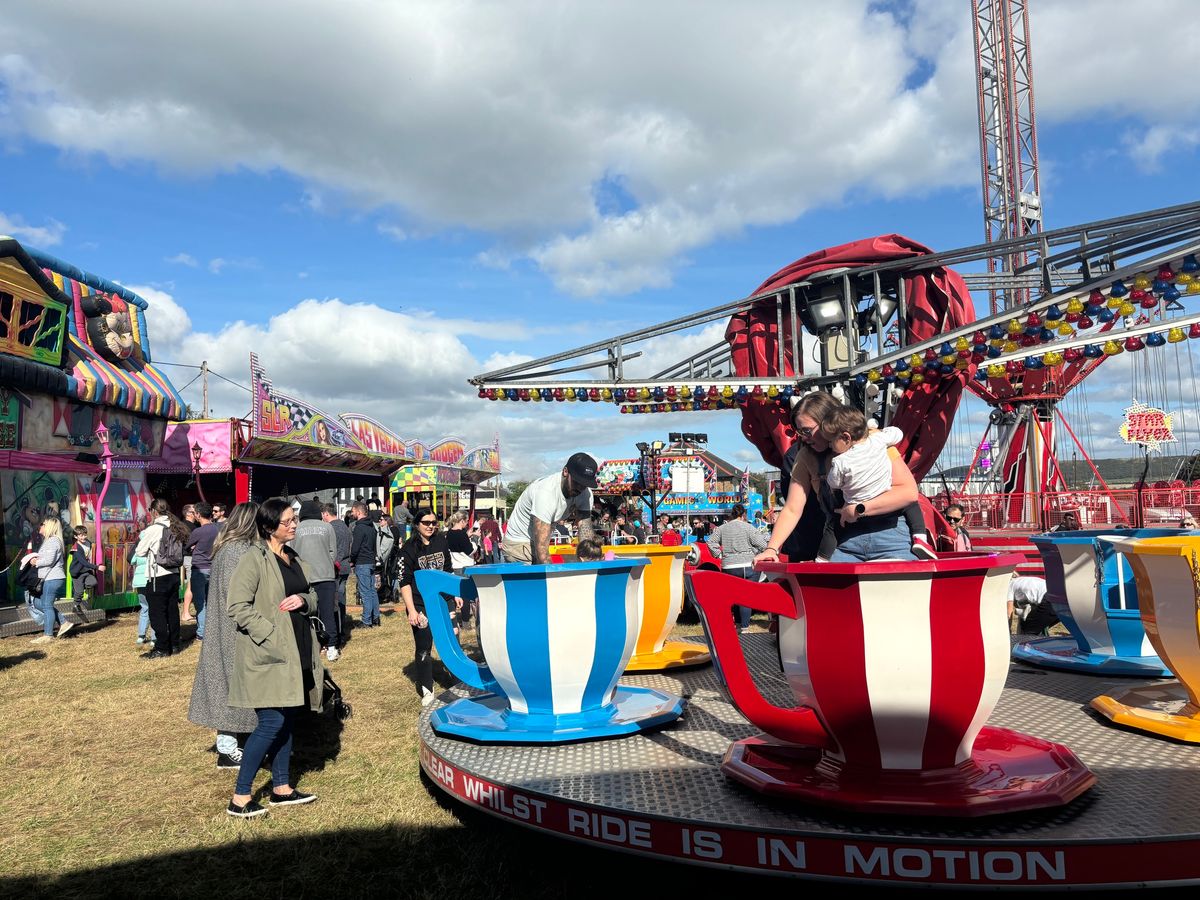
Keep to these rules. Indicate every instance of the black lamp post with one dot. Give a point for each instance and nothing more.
(196, 452)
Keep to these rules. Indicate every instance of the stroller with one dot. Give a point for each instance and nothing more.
(333, 701)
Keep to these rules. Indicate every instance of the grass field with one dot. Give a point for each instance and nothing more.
(111, 792)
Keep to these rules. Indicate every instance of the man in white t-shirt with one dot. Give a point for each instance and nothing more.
(553, 498)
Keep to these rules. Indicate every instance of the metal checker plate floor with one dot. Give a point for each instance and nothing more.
(1147, 787)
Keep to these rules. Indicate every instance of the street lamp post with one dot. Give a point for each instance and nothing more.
(196, 451)
(106, 456)
(650, 453)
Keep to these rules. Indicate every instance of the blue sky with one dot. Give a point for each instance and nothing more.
(384, 203)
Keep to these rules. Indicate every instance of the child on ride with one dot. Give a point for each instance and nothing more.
(862, 470)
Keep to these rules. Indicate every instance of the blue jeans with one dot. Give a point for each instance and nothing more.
(742, 614)
(199, 598)
(367, 595)
(878, 537)
(143, 612)
(273, 735)
(52, 589)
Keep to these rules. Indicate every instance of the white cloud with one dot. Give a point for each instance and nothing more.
(395, 232)
(517, 121)
(183, 259)
(218, 264)
(1149, 147)
(37, 235)
(409, 371)
(510, 119)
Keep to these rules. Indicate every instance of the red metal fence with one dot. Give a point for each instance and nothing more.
(1162, 503)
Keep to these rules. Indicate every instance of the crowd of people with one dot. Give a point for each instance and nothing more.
(268, 583)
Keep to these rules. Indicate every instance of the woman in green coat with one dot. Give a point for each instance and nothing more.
(277, 664)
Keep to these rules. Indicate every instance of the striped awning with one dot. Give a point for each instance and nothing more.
(133, 385)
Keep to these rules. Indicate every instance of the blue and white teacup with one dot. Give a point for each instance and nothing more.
(555, 640)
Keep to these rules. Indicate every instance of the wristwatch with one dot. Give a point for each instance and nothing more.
(860, 509)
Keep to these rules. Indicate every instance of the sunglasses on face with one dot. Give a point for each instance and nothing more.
(954, 519)
(429, 523)
(806, 432)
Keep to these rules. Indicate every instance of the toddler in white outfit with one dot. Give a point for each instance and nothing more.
(862, 470)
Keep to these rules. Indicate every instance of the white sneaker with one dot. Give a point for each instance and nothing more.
(427, 697)
(65, 627)
(332, 653)
(44, 639)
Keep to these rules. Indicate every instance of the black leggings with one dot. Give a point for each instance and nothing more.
(423, 639)
(162, 596)
(327, 610)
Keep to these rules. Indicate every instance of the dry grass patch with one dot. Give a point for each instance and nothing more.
(110, 791)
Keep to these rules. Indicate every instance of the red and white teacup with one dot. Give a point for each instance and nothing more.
(894, 666)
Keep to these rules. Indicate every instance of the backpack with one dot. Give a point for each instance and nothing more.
(384, 545)
(29, 580)
(169, 554)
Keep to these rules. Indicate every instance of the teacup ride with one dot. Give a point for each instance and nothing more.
(555, 639)
(1091, 587)
(1168, 579)
(895, 668)
(661, 602)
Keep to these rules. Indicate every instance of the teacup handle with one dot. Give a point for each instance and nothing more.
(432, 583)
(714, 595)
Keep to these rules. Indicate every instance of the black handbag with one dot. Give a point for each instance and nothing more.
(28, 579)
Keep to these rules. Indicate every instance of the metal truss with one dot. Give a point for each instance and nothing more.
(1059, 264)
(1012, 206)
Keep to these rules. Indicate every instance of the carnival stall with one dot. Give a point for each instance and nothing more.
(83, 410)
(447, 468)
(688, 482)
(289, 446)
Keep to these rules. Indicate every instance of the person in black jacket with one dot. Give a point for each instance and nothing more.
(363, 551)
(83, 570)
(427, 549)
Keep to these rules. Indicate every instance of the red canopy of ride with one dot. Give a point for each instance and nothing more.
(937, 301)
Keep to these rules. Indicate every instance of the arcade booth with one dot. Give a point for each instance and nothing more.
(445, 470)
(683, 480)
(83, 412)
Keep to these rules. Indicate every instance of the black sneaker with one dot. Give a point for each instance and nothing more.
(249, 811)
(230, 760)
(292, 799)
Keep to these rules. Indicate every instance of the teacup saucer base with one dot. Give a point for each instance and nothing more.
(488, 719)
(1007, 772)
(1064, 653)
(673, 655)
(1162, 709)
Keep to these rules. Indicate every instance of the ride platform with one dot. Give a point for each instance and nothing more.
(662, 794)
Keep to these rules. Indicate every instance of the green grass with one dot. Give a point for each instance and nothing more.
(110, 791)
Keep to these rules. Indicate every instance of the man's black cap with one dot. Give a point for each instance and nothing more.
(582, 469)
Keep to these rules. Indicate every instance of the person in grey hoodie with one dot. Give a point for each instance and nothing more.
(316, 545)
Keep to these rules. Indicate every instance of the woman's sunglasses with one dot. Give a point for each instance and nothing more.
(428, 522)
(954, 520)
